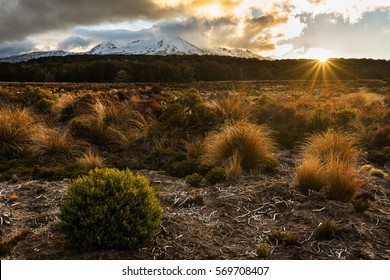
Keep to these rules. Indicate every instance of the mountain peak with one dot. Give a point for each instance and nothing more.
(103, 48)
(161, 45)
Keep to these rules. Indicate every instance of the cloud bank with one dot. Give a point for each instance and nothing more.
(281, 26)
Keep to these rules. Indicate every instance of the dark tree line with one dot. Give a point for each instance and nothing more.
(143, 68)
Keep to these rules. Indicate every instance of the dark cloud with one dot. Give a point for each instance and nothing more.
(224, 31)
(19, 19)
(15, 48)
(73, 43)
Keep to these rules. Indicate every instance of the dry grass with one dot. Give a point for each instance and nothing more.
(193, 149)
(311, 175)
(64, 101)
(17, 131)
(233, 167)
(342, 180)
(331, 144)
(91, 160)
(329, 160)
(52, 142)
(115, 125)
(241, 142)
(232, 106)
(361, 99)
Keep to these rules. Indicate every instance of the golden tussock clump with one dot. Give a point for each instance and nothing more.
(248, 145)
(328, 166)
(18, 130)
(91, 160)
(331, 144)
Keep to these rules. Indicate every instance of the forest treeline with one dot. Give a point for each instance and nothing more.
(188, 68)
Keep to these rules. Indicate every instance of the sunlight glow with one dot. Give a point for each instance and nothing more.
(319, 53)
(323, 59)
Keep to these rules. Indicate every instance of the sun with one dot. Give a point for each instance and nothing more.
(322, 55)
(323, 59)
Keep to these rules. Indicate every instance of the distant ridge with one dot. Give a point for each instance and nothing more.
(156, 46)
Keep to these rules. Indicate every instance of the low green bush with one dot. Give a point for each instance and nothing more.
(194, 180)
(216, 175)
(42, 98)
(110, 209)
(263, 250)
(278, 237)
(361, 205)
(327, 230)
(181, 168)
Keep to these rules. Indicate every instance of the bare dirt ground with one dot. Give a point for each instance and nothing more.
(225, 221)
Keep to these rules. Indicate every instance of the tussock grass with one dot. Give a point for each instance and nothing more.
(233, 167)
(330, 145)
(90, 160)
(114, 125)
(361, 99)
(193, 149)
(241, 143)
(18, 131)
(232, 106)
(342, 180)
(311, 175)
(329, 162)
(55, 142)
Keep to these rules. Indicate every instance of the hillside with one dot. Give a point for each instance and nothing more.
(51, 133)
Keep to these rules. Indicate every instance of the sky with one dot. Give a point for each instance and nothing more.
(279, 29)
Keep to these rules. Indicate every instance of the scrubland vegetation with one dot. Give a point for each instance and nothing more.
(328, 140)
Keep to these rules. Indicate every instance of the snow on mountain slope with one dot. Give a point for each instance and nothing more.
(156, 46)
(34, 55)
(103, 48)
(237, 53)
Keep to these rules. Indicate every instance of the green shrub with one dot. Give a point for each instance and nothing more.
(203, 169)
(271, 163)
(327, 230)
(109, 209)
(377, 173)
(216, 175)
(343, 118)
(287, 121)
(326, 191)
(186, 113)
(320, 120)
(263, 250)
(194, 180)
(43, 99)
(164, 158)
(278, 237)
(48, 173)
(181, 168)
(361, 205)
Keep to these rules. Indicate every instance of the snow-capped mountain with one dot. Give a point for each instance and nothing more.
(34, 55)
(156, 46)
